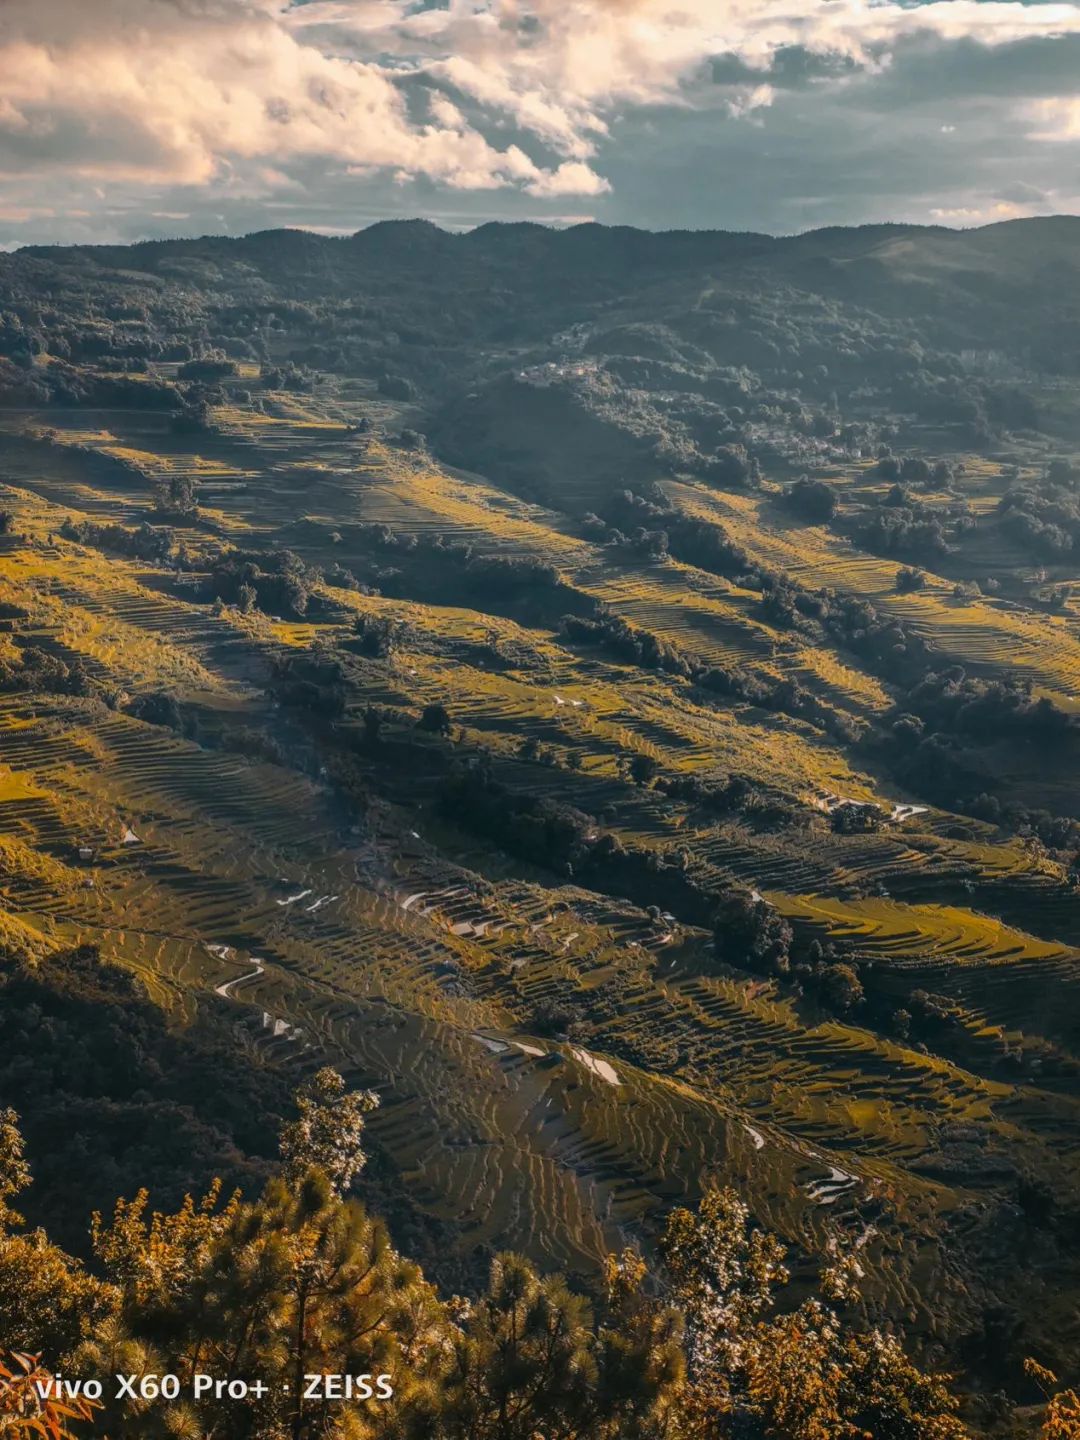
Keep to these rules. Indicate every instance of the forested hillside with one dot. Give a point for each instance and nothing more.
(613, 697)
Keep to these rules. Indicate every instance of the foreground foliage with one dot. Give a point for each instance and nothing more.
(303, 1281)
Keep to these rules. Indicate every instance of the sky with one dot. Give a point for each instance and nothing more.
(131, 119)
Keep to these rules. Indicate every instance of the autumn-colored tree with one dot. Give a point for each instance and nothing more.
(14, 1171)
(1062, 1418)
(884, 1394)
(328, 1131)
(298, 1282)
(47, 1300)
(26, 1407)
(152, 1260)
(809, 1379)
(722, 1272)
(802, 1375)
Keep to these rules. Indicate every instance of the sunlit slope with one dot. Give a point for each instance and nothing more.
(212, 873)
(358, 965)
(401, 944)
(987, 635)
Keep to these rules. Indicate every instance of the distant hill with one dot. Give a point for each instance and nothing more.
(964, 282)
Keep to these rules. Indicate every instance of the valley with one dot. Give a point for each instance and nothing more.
(531, 754)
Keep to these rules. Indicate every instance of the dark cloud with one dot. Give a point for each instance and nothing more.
(793, 67)
(927, 70)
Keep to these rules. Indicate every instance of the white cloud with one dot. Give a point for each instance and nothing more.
(580, 56)
(178, 90)
(969, 215)
(571, 178)
(745, 101)
(1054, 119)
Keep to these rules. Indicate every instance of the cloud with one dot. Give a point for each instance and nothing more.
(571, 178)
(968, 215)
(1055, 119)
(318, 108)
(745, 101)
(178, 91)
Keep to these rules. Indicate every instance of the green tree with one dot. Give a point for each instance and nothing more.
(640, 1362)
(435, 718)
(523, 1363)
(177, 495)
(749, 932)
(643, 769)
(841, 988)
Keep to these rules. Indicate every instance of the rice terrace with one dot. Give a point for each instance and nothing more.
(616, 698)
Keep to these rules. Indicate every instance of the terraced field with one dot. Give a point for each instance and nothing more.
(986, 636)
(325, 890)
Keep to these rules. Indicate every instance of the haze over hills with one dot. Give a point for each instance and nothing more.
(614, 693)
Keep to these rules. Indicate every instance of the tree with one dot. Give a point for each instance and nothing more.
(1061, 1420)
(723, 1271)
(435, 719)
(641, 1366)
(177, 496)
(748, 931)
(45, 1297)
(803, 1375)
(910, 578)
(814, 500)
(24, 1411)
(841, 988)
(193, 414)
(643, 769)
(809, 1379)
(328, 1130)
(299, 1282)
(377, 636)
(14, 1171)
(523, 1365)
